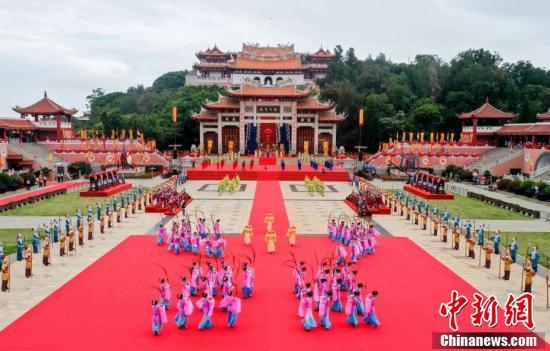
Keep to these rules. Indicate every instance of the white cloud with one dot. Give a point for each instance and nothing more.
(69, 47)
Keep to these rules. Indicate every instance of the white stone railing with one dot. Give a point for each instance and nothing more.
(51, 124)
(193, 79)
(481, 129)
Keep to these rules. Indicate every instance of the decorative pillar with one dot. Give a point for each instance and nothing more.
(334, 138)
(316, 137)
(242, 143)
(220, 146)
(294, 128)
(58, 126)
(202, 147)
(474, 131)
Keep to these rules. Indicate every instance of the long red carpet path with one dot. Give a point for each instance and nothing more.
(52, 187)
(107, 306)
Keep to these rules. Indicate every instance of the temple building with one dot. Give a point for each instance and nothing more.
(41, 121)
(269, 104)
(489, 125)
(266, 65)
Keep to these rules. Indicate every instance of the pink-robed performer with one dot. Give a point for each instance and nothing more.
(185, 309)
(217, 228)
(325, 301)
(351, 308)
(370, 311)
(161, 234)
(233, 305)
(336, 301)
(165, 292)
(341, 253)
(159, 316)
(372, 233)
(206, 305)
(305, 311)
(248, 280)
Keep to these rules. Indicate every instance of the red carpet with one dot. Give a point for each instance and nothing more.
(29, 195)
(268, 199)
(268, 161)
(108, 309)
(427, 195)
(107, 192)
(271, 173)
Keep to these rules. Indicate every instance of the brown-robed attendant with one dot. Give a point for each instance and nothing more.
(28, 261)
(488, 248)
(91, 229)
(6, 273)
(507, 265)
(456, 238)
(529, 274)
(46, 252)
(471, 248)
(81, 235)
(62, 244)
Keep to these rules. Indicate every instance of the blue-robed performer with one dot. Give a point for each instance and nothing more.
(496, 243)
(98, 210)
(513, 249)
(55, 231)
(534, 256)
(20, 247)
(468, 227)
(78, 218)
(67, 224)
(481, 235)
(35, 241)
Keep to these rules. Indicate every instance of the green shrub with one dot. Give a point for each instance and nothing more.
(503, 184)
(513, 185)
(528, 184)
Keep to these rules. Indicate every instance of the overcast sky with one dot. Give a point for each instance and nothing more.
(69, 47)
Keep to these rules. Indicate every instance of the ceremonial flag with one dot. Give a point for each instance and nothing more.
(431, 137)
(175, 114)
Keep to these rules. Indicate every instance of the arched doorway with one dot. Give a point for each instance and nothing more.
(268, 81)
(257, 80)
(303, 135)
(325, 139)
(230, 136)
(210, 142)
(279, 81)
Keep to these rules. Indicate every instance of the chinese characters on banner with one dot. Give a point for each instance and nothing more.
(517, 310)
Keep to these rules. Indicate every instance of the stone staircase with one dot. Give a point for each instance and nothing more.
(490, 159)
(35, 152)
(542, 174)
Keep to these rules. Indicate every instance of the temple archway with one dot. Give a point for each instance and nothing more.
(304, 138)
(257, 80)
(210, 141)
(230, 136)
(279, 81)
(268, 81)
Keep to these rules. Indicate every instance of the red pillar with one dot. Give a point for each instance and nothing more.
(474, 131)
(58, 121)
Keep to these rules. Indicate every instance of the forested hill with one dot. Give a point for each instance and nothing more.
(423, 95)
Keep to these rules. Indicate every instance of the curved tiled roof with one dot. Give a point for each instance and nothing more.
(205, 116)
(544, 116)
(223, 103)
(17, 123)
(487, 111)
(331, 116)
(314, 104)
(45, 106)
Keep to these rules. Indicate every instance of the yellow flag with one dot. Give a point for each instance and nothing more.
(175, 114)
(361, 117)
